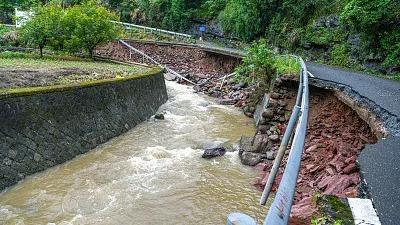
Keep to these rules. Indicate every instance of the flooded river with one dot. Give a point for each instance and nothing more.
(153, 174)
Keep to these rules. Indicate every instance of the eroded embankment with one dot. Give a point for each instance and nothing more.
(189, 61)
(206, 69)
(336, 136)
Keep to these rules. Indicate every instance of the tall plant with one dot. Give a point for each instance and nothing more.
(259, 65)
(242, 18)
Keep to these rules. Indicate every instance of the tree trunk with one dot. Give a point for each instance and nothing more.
(91, 53)
(41, 51)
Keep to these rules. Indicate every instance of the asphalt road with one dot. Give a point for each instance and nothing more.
(385, 93)
(379, 163)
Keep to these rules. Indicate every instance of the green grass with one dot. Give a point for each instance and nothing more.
(29, 61)
(287, 65)
(58, 70)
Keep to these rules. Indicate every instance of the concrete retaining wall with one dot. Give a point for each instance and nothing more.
(43, 127)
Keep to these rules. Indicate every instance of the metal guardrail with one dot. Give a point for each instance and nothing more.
(130, 26)
(7, 25)
(279, 211)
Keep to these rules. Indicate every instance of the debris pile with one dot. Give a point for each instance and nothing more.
(336, 135)
(211, 72)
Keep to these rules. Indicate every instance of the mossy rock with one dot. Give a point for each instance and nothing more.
(335, 210)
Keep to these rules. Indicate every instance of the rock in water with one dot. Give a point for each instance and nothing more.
(213, 152)
(159, 116)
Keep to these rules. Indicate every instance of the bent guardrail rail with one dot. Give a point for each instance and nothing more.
(155, 62)
(279, 211)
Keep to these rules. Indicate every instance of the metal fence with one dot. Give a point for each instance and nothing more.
(145, 29)
(279, 211)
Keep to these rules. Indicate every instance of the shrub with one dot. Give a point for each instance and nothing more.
(259, 64)
(8, 37)
(340, 55)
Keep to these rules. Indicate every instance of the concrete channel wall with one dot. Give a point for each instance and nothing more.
(46, 126)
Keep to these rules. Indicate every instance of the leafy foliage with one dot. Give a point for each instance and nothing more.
(211, 8)
(176, 18)
(78, 28)
(378, 21)
(340, 55)
(88, 26)
(259, 64)
(43, 27)
(242, 18)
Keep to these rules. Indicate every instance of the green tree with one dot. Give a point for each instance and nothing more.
(88, 25)
(176, 17)
(43, 27)
(242, 18)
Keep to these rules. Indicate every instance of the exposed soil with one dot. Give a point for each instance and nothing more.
(188, 61)
(336, 136)
(203, 68)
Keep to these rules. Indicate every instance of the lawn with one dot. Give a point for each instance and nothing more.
(26, 70)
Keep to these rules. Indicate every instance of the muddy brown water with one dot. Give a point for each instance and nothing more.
(153, 174)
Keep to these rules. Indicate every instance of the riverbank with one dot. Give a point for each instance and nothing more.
(336, 136)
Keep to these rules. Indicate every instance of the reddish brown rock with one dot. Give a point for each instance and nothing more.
(302, 212)
(351, 168)
(338, 183)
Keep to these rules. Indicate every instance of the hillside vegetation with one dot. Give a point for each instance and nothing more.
(360, 34)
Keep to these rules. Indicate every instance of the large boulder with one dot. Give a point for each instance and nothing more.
(213, 152)
(250, 158)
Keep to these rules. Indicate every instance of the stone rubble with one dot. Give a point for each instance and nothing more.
(207, 70)
(336, 136)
